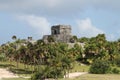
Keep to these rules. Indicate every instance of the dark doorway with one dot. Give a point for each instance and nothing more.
(55, 31)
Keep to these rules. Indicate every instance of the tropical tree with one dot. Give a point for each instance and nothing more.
(14, 37)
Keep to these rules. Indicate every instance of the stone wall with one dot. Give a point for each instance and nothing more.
(60, 33)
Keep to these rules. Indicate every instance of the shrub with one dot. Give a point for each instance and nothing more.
(115, 70)
(100, 67)
(47, 72)
(117, 61)
(2, 57)
(37, 76)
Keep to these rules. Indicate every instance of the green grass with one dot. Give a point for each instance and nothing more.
(96, 77)
(21, 70)
(85, 77)
(5, 64)
(85, 68)
(78, 67)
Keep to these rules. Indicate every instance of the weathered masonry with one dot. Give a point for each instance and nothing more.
(60, 33)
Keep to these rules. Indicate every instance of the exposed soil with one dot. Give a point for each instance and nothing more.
(75, 74)
(4, 73)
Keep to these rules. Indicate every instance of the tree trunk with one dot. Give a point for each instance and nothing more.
(17, 64)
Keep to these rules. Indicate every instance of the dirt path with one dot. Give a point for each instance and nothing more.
(4, 73)
(76, 74)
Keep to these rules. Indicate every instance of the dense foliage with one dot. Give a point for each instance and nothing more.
(60, 56)
(100, 67)
(47, 72)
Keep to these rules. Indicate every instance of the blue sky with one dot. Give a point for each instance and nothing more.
(34, 18)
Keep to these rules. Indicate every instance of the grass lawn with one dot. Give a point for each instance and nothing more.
(96, 77)
(78, 67)
(21, 70)
(85, 77)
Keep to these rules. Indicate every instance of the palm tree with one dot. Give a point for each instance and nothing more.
(22, 55)
(84, 40)
(17, 54)
(14, 37)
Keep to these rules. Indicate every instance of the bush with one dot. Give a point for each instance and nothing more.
(47, 72)
(37, 76)
(115, 70)
(117, 61)
(100, 67)
(2, 57)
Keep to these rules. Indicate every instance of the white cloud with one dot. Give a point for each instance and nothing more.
(40, 24)
(28, 4)
(87, 29)
(57, 7)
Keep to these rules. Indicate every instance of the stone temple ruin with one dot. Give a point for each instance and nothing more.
(60, 33)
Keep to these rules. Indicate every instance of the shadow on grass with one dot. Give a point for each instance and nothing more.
(20, 71)
(6, 65)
